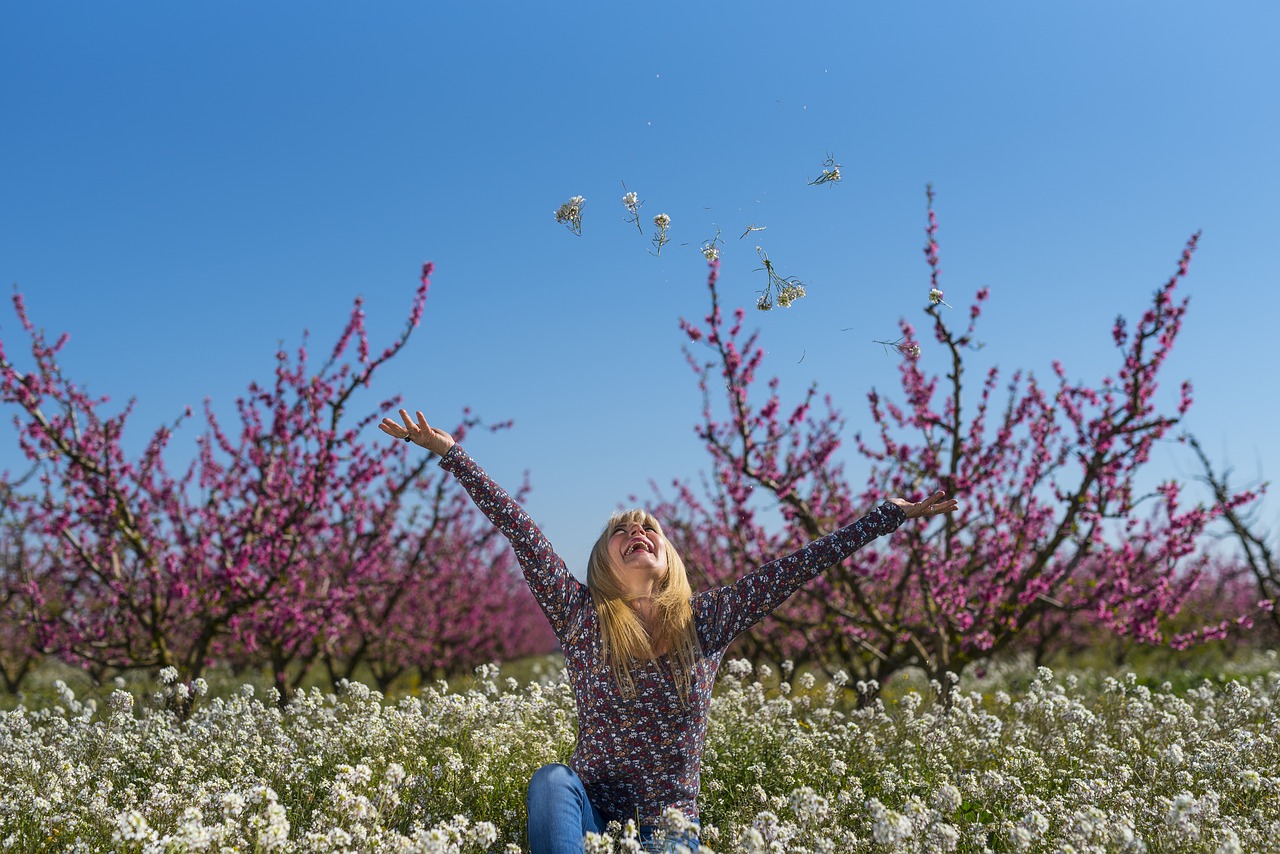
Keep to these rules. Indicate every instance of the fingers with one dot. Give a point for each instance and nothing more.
(418, 426)
(406, 427)
(392, 428)
(934, 505)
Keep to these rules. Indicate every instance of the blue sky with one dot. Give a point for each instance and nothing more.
(185, 185)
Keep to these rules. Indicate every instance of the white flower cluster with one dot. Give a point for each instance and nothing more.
(1054, 767)
(569, 214)
(792, 764)
(443, 772)
(789, 289)
(632, 203)
(830, 173)
(661, 223)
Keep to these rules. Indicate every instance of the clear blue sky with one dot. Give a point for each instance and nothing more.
(184, 185)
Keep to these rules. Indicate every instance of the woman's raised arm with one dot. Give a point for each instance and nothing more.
(731, 610)
(561, 596)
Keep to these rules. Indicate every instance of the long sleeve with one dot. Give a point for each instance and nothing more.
(561, 596)
(728, 611)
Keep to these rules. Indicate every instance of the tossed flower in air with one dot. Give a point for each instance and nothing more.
(935, 297)
(830, 173)
(661, 222)
(570, 213)
(785, 290)
(903, 347)
(711, 248)
(632, 203)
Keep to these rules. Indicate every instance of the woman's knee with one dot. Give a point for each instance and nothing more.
(550, 778)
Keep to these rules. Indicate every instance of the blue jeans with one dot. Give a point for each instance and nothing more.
(561, 814)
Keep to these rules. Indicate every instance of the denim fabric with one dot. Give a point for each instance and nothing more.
(561, 814)
(675, 844)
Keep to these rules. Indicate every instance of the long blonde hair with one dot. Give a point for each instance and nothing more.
(624, 637)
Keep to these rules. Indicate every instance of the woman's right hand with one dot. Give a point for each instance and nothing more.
(419, 432)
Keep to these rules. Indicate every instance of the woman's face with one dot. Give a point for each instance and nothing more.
(638, 555)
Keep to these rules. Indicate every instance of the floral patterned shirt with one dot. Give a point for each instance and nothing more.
(639, 755)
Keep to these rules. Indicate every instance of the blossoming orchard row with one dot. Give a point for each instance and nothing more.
(290, 542)
(1050, 551)
(293, 543)
(1057, 764)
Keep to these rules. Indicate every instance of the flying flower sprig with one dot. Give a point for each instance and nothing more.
(751, 228)
(830, 173)
(632, 203)
(570, 213)
(935, 297)
(788, 289)
(903, 347)
(661, 222)
(711, 248)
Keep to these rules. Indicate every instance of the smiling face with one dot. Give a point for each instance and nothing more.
(636, 552)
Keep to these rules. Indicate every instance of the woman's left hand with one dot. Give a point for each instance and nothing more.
(934, 505)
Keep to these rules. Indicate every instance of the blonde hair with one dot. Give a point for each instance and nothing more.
(623, 635)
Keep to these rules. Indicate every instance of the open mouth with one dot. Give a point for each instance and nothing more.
(636, 546)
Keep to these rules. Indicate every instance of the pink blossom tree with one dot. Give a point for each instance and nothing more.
(258, 551)
(444, 552)
(1052, 524)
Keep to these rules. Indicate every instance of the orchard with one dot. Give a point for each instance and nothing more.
(899, 702)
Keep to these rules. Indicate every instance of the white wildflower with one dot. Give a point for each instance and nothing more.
(888, 827)
(809, 806)
(120, 702)
(947, 799)
(570, 214)
(131, 826)
(1035, 824)
(943, 837)
(1230, 843)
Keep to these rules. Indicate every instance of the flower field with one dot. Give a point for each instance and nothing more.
(1023, 760)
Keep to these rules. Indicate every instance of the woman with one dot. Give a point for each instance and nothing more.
(640, 648)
